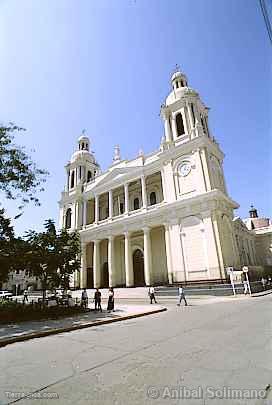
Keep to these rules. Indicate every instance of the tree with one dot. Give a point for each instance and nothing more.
(52, 256)
(19, 179)
(11, 248)
(19, 176)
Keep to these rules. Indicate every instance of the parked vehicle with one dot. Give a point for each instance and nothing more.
(5, 294)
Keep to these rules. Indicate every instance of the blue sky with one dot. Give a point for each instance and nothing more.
(105, 66)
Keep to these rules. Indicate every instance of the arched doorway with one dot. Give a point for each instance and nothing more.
(105, 275)
(138, 268)
(90, 277)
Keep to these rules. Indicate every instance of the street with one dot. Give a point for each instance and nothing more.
(196, 351)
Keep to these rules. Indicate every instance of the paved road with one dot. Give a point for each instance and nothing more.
(227, 344)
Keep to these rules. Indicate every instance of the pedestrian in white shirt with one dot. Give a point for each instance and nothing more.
(151, 293)
(181, 296)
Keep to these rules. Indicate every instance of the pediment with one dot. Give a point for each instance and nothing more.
(115, 174)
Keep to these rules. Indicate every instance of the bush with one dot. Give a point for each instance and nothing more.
(11, 311)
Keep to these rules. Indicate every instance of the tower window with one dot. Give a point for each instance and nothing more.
(179, 123)
(68, 218)
(153, 199)
(203, 125)
(193, 113)
(136, 203)
(89, 176)
(121, 208)
(176, 85)
(73, 179)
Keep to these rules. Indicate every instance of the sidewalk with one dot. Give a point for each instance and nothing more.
(20, 331)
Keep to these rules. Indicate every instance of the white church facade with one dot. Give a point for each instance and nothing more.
(160, 218)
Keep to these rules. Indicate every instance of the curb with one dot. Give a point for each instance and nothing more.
(262, 295)
(55, 331)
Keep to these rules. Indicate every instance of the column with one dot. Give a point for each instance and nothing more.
(147, 256)
(84, 214)
(168, 254)
(144, 199)
(96, 264)
(110, 205)
(75, 214)
(174, 128)
(111, 264)
(126, 199)
(201, 178)
(96, 209)
(128, 261)
(190, 117)
(167, 129)
(83, 269)
(204, 160)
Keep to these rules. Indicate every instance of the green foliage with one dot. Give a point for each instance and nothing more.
(52, 256)
(19, 176)
(19, 179)
(10, 248)
(11, 311)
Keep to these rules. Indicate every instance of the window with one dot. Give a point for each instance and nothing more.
(153, 199)
(193, 113)
(121, 208)
(203, 125)
(179, 123)
(68, 218)
(73, 179)
(89, 176)
(136, 203)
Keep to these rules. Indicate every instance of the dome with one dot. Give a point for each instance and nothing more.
(83, 138)
(176, 75)
(83, 155)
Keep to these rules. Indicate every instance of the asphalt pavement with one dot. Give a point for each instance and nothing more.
(200, 354)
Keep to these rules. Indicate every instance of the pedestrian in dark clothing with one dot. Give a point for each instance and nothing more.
(110, 306)
(97, 300)
(25, 296)
(84, 299)
(181, 296)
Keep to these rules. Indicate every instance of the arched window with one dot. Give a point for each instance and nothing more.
(136, 203)
(179, 123)
(193, 113)
(89, 176)
(121, 208)
(68, 218)
(153, 199)
(73, 179)
(203, 125)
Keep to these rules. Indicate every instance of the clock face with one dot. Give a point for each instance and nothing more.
(185, 169)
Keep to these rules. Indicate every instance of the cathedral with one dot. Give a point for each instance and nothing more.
(160, 218)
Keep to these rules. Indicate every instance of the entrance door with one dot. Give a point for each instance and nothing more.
(89, 277)
(138, 268)
(105, 275)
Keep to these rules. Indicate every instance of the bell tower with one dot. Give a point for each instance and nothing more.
(82, 167)
(183, 113)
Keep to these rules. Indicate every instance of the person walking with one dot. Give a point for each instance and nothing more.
(110, 306)
(97, 300)
(151, 293)
(181, 296)
(246, 289)
(25, 296)
(84, 299)
(263, 281)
